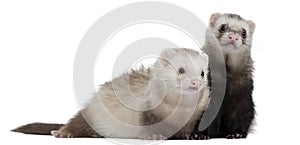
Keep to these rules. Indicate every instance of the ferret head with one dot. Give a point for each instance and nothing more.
(232, 31)
(183, 70)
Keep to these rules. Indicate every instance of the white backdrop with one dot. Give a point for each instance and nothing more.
(38, 43)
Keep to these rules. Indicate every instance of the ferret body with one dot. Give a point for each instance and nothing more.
(165, 99)
(234, 37)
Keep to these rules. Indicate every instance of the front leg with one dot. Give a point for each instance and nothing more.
(198, 135)
(237, 122)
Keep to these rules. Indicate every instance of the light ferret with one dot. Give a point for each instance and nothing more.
(234, 37)
(170, 107)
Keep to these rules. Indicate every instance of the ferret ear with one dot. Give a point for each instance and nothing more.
(166, 55)
(213, 18)
(163, 61)
(251, 26)
(205, 58)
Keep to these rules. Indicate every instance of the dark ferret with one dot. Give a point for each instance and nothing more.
(237, 112)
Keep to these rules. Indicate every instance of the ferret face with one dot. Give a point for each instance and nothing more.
(232, 31)
(184, 70)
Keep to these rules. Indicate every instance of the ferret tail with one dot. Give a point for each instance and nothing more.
(38, 128)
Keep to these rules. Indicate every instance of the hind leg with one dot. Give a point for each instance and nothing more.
(76, 127)
(153, 137)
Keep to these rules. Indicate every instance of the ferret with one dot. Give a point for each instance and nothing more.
(163, 101)
(233, 35)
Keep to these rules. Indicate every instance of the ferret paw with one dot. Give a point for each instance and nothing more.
(153, 137)
(198, 136)
(236, 135)
(61, 134)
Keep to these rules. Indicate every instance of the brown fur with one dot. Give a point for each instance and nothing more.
(78, 127)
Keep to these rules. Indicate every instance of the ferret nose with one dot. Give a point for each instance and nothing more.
(233, 37)
(195, 82)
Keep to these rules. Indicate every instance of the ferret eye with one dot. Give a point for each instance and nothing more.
(223, 28)
(202, 74)
(181, 71)
(244, 34)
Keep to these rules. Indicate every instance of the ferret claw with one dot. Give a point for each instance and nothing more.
(235, 136)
